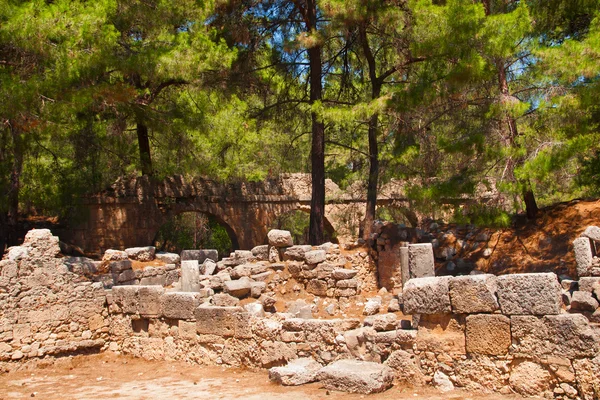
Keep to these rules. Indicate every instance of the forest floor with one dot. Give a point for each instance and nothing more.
(112, 376)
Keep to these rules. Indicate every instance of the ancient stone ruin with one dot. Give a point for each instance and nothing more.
(310, 314)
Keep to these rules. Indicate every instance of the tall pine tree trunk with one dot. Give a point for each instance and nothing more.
(12, 216)
(317, 202)
(144, 146)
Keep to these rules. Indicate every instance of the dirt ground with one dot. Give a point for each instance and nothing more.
(111, 376)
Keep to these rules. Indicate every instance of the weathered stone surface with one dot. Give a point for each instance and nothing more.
(583, 255)
(427, 296)
(315, 256)
(114, 255)
(530, 379)
(565, 335)
(529, 294)
(383, 322)
(488, 334)
(239, 288)
(373, 306)
(257, 289)
(420, 260)
(208, 267)
(222, 321)
(274, 255)
(343, 273)
(190, 276)
(587, 284)
(225, 300)
(472, 294)
(126, 297)
(296, 372)
(592, 232)
(179, 305)
(296, 253)
(261, 252)
(317, 287)
(442, 382)
(404, 265)
(587, 372)
(200, 255)
(149, 300)
(347, 283)
(356, 376)
(280, 238)
(255, 310)
(405, 367)
(141, 253)
(583, 301)
(168, 258)
(300, 309)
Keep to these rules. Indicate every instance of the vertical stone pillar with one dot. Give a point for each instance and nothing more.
(190, 276)
(420, 260)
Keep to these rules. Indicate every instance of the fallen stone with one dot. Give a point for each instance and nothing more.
(257, 289)
(488, 334)
(261, 253)
(383, 322)
(587, 284)
(530, 379)
(255, 310)
(168, 258)
(208, 267)
(356, 376)
(472, 294)
(583, 256)
(297, 372)
(280, 238)
(420, 260)
(373, 306)
(393, 305)
(296, 253)
(300, 309)
(427, 296)
(343, 274)
(583, 301)
(239, 288)
(141, 253)
(592, 232)
(225, 300)
(315, 256)
(200, 255)
(529, 294)
(442, 382)
(190, 276)
(179, 305)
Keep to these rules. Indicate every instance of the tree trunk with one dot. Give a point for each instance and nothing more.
(144, 146)
(12, 217)
(317, 202)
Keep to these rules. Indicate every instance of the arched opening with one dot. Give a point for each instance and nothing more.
(398, 215)
(298, 222)
(196, 230)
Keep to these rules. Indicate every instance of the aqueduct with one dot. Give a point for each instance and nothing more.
(130, 212)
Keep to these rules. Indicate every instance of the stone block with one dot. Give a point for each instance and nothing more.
(471, 294)
(257, 289)
(317, 287)
(239, 288)
(126, 297)
(261, 253)
(420, 260)
(190, 276)
(356, 376)
(296, 253)
(149, 300)
(114, 255)
(208, 267)
(126, 276)
(168, 258)
(592, 232)
(583, 301)
(347, 283)
(564, 335)
(141, 253)
(116, 267)
(315, 256)
(280, 238)
(583, 255)
(343, 273)
(383, 322)
(488, 334)
(223, 321)
(179, 305)
(404, 265)
(587, 284)
(529, 294)
(225, 300)
(427, 296)
(159, 280)
(200, 255)
(297, 372)
(373, 306)
(530, 379)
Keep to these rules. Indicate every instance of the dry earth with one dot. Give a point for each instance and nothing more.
(111, 376)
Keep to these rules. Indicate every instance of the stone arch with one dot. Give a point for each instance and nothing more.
(329, 228)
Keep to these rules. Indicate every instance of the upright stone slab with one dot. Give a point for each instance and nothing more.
(427, 296)
(356, 376)
(529, 294)
(472, 294)
(583, 255)
(404, 266)
(190, 276)
(420, 260)
(592, 232)
(200, 255)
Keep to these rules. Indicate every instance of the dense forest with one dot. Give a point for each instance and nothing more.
(445, 95)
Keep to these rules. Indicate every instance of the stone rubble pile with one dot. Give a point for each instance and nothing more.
(523, 333)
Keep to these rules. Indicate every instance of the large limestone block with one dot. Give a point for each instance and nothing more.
(41, 244)
(356, 376)
(488, 334)
(114, 255)
(472, 294)
(563, 335)
(583, 301)
(529, 294)
(296, 253)
(126, 297)
(223, 321)
(141, 253)
(239, 288)
(168, 258)
(149, 301)
(427, 296)
(179, 305)
(200, 255)
(588, 371)
(296, 372)
(280, 238)
(587, 284)
(530, 379)
(190, 276)
(592, 232)
(420, 260)
(583, 255)
(315, 256)
(404, 265)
